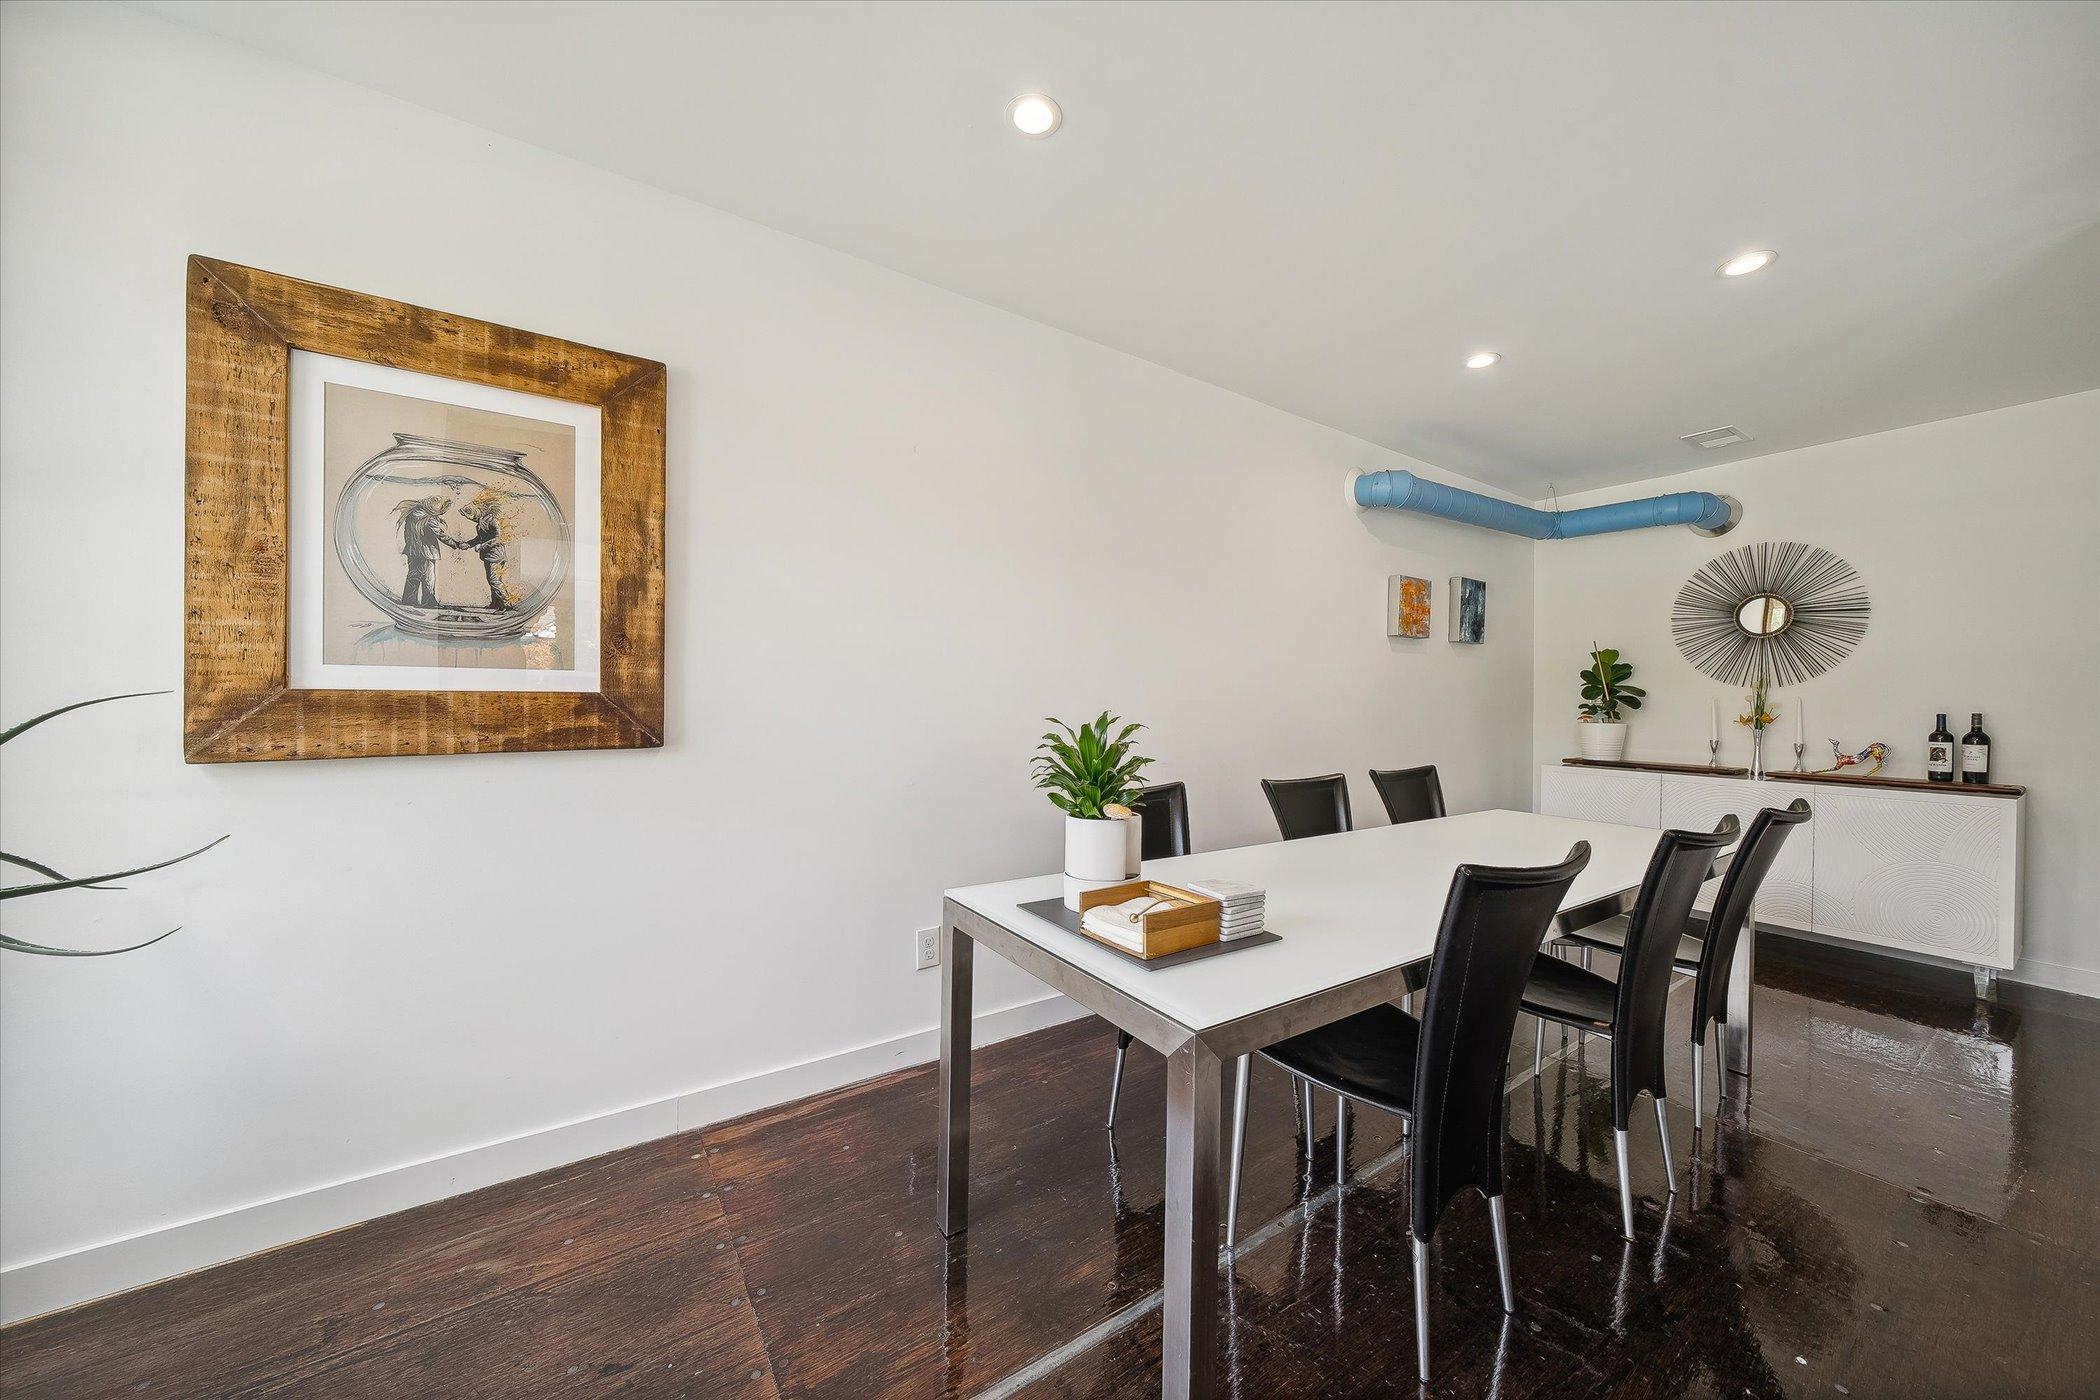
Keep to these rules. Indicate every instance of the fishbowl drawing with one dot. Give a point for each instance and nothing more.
(411, 516)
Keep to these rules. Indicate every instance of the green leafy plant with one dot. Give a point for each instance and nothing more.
(1085, 770)
(55, 880)
(1604, 688)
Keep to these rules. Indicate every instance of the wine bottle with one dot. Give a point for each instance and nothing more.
(1939, 753)
(1976, 752)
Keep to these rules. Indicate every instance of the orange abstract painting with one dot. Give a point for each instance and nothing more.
(1406, 606)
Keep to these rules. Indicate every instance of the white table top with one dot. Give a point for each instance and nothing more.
(1347, 906)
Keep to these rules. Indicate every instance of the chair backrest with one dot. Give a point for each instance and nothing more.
(1309, 806)
(1746, 874)
(1680, 865)
(1409, 794)
(1165, 810)
(1495, 918)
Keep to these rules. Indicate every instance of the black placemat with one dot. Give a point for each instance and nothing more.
(1068, 919)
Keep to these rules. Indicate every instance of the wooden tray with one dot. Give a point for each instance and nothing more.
(1189, 922)
(1702, 770)
(1880, 780)
(1054, 911)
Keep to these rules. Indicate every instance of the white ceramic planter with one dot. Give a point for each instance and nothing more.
(1601, 739)
(1099, 849)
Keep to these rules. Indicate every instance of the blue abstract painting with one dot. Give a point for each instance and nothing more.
(1469, 610)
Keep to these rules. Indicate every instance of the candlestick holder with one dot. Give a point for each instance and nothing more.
(1799, 749)
(1713, 753)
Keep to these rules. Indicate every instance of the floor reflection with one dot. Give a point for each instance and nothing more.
(1907, 1204)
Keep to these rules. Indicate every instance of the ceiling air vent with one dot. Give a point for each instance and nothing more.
(1716, 437)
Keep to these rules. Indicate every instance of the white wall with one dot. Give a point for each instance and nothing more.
(1975, 540)
(903, 527)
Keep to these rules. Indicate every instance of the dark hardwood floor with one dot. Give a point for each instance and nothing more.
(1909, 1205)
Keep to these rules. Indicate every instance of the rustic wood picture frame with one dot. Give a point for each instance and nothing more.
(237, 704)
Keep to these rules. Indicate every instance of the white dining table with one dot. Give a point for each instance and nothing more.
(1352, 911)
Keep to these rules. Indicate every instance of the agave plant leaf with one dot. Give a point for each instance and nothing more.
(29, 724)
(15, 891)
(16, 945)
(46, 871)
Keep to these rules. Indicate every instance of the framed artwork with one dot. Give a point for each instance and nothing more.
(1406, 606)
(413, 533)
(1469, 610)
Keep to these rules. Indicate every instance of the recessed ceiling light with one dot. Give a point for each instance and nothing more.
(1717, 437)
(1743, 264)
(1483, 360)
(1035, 114)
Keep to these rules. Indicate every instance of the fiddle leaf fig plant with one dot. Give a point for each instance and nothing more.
(1087, 770)
(1605, 691)
(55, 880)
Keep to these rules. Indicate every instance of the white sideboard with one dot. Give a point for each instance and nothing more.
(1935, 872)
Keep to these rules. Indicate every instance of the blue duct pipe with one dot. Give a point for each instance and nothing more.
(1703, 510)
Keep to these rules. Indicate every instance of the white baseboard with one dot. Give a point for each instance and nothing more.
(2079, 981)
(38, 1286)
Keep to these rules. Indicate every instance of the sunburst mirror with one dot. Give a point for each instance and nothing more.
(1782, 612)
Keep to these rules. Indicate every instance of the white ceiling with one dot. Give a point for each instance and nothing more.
(1325, 207)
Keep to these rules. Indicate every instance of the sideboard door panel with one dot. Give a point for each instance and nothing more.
(1929, 872)
(1692, 803)
(1602, 795)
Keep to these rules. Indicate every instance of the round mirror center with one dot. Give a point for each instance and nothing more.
(1766, 615)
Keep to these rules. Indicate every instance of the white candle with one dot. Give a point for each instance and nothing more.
(1713, 720)
(1797, 721)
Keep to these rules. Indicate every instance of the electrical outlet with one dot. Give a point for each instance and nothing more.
(929, 940)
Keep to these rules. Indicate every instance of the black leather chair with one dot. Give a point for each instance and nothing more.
(1165, 811)
(1444, 1074)
(1631, 1011)
(1409, 794)
(1707, 949)
(1309, 806)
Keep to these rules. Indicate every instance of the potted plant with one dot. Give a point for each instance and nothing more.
(1090, 774)
(55, 880)
(1602, 731)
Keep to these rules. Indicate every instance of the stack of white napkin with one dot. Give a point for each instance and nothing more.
(1246, 906)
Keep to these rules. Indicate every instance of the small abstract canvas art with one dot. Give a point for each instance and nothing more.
(1469, 610)
(1406, 606)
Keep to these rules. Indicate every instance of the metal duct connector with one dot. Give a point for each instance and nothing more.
(1702, 510)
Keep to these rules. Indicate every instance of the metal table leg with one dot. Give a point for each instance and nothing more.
(1742, 978)
(1189, 1315)
(952, 1189)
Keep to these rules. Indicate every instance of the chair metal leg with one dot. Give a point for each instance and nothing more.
(1312, 1123)
(1662, 1126)
(1625, 1182)
(1495, 1218)
(1115, 1086)
(1698, 1085)
(1341, 1140)
(1239, 1151)
(1421, 1307)
(1538, 1047)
